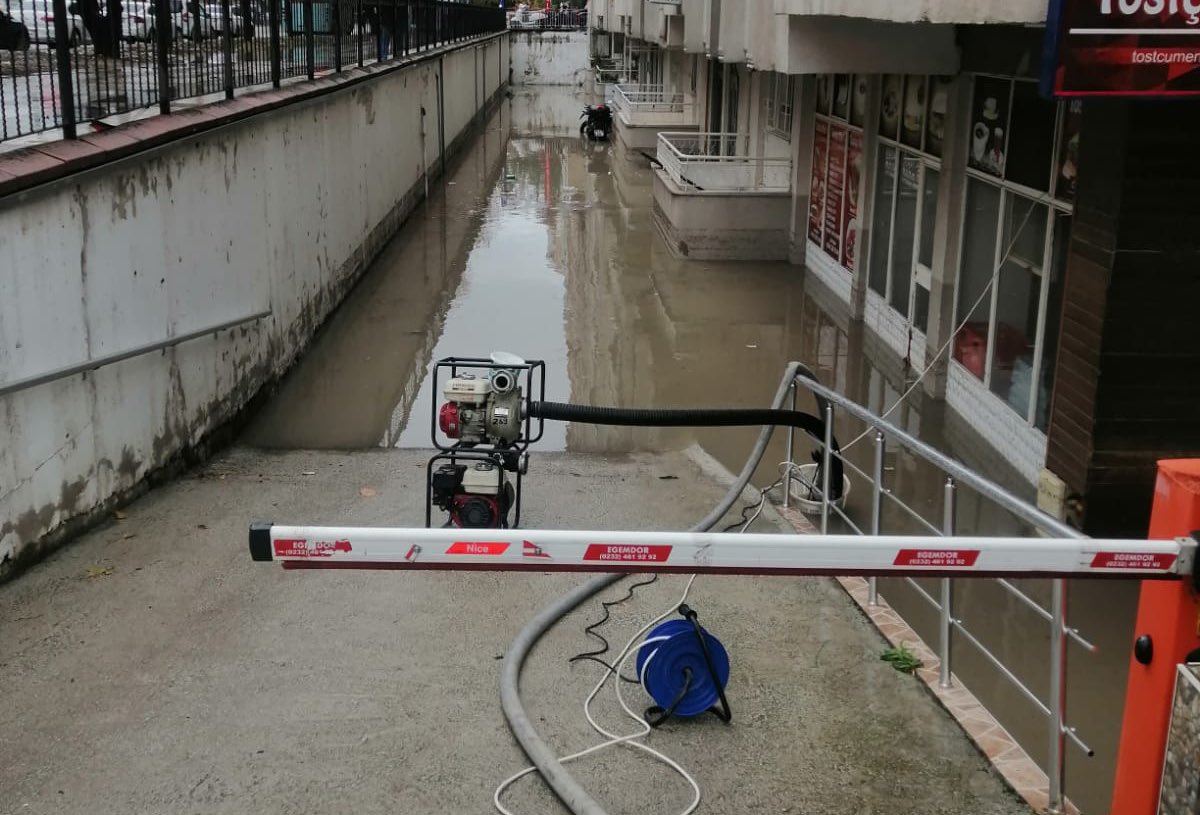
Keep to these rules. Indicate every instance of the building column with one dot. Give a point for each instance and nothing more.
(1127, 373)
(947, 234)
(804, 119)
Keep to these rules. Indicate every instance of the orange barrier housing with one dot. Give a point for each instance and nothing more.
(1169, 613)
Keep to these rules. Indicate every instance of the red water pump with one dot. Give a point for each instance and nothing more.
(482, 431)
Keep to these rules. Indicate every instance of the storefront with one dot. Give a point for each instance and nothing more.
(1018, 171)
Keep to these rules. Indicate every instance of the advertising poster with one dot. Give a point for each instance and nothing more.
(854, 173)
(1068, 151)
(816, 201)
(1126, 47)
(989, 121)
(834, 189)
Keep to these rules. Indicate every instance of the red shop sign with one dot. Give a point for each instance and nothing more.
(1125, 47)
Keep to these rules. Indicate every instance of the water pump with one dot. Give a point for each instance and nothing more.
(495, 408)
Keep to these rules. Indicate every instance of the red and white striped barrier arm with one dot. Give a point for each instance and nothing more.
(316, 547)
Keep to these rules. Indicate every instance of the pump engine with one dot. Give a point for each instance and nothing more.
(476, 477)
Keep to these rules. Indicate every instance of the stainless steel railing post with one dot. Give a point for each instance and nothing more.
(876, 508)
(946, 622)
(826, 465)
(1056, 758)
(791, 443)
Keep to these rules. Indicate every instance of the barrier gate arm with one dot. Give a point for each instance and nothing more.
(333, 547)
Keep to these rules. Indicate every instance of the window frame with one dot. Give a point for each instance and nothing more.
(832, 120)
(1055, 207)
(928, 161)
(778, 97)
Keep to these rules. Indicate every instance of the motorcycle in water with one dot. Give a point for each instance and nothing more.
(597, 124)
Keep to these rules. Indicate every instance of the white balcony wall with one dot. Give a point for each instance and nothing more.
(695, 25)
(732, 42)
(921, 11)
(766, 36)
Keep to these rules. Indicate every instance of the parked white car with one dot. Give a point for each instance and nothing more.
(137, 21)
(38, 17)
(218, 19)
(186, 21)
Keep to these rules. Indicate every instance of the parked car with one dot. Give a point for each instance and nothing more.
(189, 23)
(218, 19)
(137, 21)
(14, 36)
(38, 18)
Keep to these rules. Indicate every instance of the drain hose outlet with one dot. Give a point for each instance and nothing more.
(564, 785)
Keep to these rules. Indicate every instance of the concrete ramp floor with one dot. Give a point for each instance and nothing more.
(151, 667)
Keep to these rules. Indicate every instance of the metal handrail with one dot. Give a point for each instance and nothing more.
(120, 356)
(957, 476)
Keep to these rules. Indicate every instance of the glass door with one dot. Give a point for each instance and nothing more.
(922, 275)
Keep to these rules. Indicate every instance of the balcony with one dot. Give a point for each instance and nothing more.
(650, 106)
(707, 162)
(698, 173)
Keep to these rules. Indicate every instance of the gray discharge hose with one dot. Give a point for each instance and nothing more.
(540, 755)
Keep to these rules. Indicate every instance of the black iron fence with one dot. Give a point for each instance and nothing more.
(70, 64)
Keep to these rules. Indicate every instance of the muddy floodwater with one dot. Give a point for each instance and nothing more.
(545, 245)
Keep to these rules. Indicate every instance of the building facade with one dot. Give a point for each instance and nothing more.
(1036, 256)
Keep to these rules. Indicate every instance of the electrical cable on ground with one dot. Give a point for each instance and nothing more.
(591, 630)
(568, 790)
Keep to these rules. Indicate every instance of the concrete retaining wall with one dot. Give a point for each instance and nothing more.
(551, 58)
(278, 211)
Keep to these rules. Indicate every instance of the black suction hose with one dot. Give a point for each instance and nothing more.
(703, 417)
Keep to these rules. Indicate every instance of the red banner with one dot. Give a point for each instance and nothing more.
(834, 191)
(854, 174)
(1128, 48)
(816, 191)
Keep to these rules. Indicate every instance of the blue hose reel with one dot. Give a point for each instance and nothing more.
(684, 669)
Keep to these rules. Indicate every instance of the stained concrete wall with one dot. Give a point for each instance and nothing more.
(550, 58)
(280, 211)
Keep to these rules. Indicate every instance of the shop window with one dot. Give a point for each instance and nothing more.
(929, 202)
(975, 277)
(881, 219)
(1021, 180)
(837, 170)
(1031, 143)
(904, 233)
(1018, 298)
(905, 207)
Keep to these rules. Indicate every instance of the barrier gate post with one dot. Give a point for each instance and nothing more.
(1167, 631)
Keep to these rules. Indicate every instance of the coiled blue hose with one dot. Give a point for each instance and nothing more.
(673, 670)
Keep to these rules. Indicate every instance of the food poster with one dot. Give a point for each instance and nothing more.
(935, 121)
(889, 107)
(824, 93)
(835, 188)
(841, 97)
(854, 174)
(1068, 152)
(858, 101)
(913, 121)
(989, 119)
(816, 200)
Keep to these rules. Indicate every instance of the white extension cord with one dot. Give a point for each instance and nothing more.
(612, 738)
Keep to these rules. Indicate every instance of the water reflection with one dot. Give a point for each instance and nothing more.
(546, 246)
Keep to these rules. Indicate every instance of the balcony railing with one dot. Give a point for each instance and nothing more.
(651, 105)
(709, 162)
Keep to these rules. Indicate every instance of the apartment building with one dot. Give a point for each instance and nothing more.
(1038, 251)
